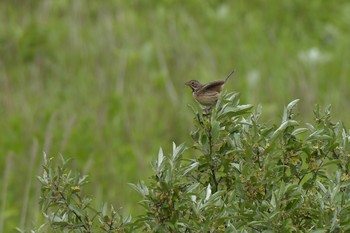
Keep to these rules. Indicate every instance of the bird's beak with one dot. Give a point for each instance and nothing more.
(187, 83)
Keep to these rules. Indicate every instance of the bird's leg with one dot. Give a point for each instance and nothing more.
(207, 110)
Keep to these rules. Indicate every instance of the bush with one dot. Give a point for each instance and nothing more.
(242, 176)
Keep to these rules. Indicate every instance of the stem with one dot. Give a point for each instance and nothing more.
(197, 179)
(258, 154)
(67, 205)
(110, 227)
(210, 140)
(256, 229)
(212, 167)
(214, 178)
(300, 178)
(314, 176)
(199, 120)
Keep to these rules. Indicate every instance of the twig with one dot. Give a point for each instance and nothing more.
(300, 178)
(211, 157)
(197, 180)
(258, 154)
(67, 205)
(110, 227)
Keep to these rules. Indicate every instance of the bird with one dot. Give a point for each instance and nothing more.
(207, 94)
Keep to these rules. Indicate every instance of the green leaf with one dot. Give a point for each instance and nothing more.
(192, 187)
(190, 167)
(160, 159)
(104, 210)
(60, 223)
(82, 180)
(273, 200)
(319, 231)
(208, 193)
(106, 218)
(232, 97)
(292, 104)
(281, 129)
(177, 150)
(77, 210)
(299, 131)
(321, 186)
(140, 188)
(334, 161)
(236, 166)
(232, 111)
(194, 111)
(287, 113)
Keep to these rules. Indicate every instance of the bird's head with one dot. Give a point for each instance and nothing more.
(193, 84)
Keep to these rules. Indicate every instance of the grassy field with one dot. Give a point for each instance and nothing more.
(103, 81)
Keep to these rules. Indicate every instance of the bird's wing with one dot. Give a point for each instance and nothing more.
(215, 86)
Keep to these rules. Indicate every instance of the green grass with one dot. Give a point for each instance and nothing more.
(103, 82)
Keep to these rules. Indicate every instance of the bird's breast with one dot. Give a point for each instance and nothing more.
(206, 99)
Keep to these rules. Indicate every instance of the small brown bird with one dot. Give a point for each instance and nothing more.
(207, 94)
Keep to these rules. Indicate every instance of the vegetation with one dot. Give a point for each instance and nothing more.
(103, 82)
(247, 177)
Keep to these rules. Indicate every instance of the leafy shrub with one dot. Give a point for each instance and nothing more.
(241, 175)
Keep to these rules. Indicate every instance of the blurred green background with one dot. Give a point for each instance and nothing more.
(103, 81)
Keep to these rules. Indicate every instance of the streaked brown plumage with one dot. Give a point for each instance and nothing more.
(207, 94)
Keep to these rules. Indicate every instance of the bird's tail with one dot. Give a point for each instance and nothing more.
(232, 72)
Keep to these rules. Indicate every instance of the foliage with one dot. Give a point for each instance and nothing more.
(67, 209)
(69, 71)
(246, 177)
